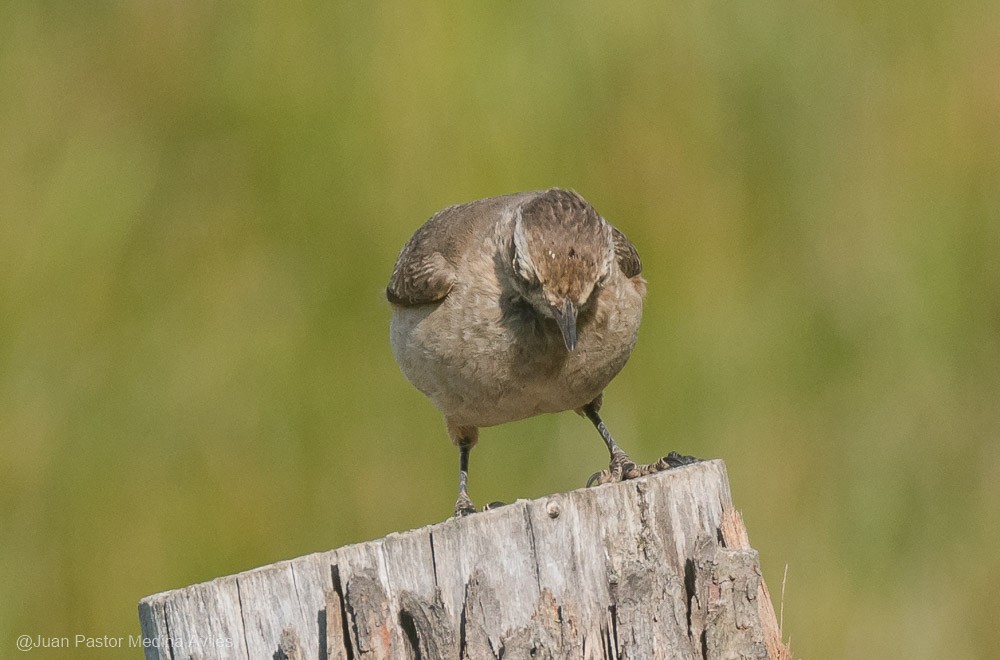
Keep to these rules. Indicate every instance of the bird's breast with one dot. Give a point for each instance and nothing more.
(485, 358)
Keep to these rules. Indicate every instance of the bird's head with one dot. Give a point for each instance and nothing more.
(562, 251)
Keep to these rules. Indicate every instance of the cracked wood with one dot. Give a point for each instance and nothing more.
(658, 567)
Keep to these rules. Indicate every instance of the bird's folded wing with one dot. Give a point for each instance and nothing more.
(627, 255)
(422, 274)
(425, 270)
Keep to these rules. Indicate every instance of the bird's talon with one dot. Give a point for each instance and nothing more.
(494, 505)
(464, 507)
(631, 471)
(673, 459)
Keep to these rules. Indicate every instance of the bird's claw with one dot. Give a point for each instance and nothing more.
(622, 468)
(464, 507)
(598, 478)
(674, 460)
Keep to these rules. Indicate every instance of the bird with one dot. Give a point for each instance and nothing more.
(514, 306)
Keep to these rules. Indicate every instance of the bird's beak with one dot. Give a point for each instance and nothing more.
(565, 315)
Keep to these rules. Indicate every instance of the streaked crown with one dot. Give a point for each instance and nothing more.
(562, 245)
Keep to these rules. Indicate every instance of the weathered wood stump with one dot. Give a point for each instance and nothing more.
(658, 567)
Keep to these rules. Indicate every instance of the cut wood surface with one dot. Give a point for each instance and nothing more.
(657, 567)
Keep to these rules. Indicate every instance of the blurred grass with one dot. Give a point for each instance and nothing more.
(201, 203)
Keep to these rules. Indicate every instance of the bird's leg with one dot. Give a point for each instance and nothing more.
(622, 467)
(465, 437)
(463, 506)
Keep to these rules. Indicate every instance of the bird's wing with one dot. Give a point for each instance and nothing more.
(626, 254)
(426, 268)
(422, 274)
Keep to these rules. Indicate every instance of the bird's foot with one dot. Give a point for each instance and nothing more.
(464, 506)
(623, 468)
(673, 460)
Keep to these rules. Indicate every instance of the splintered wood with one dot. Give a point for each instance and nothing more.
(658, 567)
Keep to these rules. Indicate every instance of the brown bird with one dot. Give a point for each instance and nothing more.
(514, 306)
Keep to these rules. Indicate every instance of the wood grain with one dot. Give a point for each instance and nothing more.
(658, 567)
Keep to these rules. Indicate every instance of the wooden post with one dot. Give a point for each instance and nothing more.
(658, 567)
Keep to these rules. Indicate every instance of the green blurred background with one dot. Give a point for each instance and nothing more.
(201, 202)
